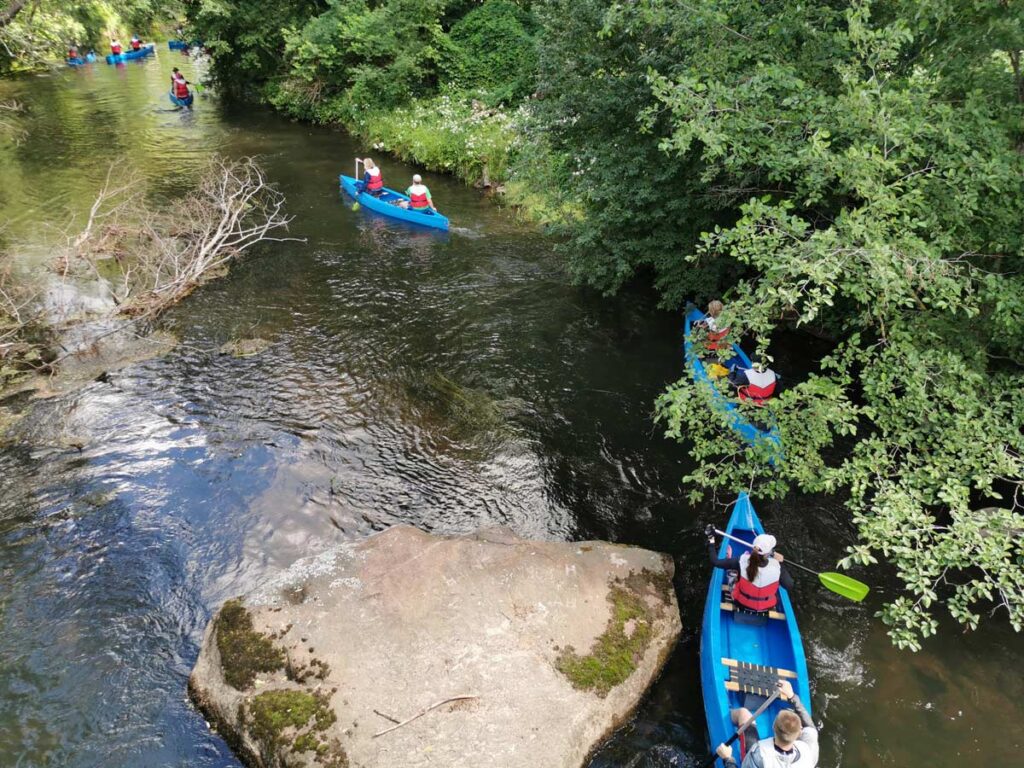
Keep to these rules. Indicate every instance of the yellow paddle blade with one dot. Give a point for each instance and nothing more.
(355, 206)
(845, 586)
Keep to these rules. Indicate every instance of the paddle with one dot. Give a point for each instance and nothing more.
(835, 582)
(355, 205)
(742, 728)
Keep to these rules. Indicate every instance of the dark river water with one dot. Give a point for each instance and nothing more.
(443, 381)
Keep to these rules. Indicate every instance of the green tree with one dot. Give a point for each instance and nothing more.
(878, 151)
(633, 208)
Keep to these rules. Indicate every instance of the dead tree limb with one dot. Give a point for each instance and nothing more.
(421, 713)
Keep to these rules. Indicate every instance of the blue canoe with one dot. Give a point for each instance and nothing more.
(751, 433)
(771, 642)
(145, 50)
(181, 45)
(186, 102)
(79, 61)
(386, 205)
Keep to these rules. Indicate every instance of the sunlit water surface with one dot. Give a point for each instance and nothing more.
(131, 508)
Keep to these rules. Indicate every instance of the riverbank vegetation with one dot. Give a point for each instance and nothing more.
(851, 167)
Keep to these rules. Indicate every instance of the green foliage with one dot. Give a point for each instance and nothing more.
(635, 208)
(494, 52)
(247, 38)
(446, 133)
(883, 199)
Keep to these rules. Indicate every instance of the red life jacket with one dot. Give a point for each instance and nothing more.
(376, 181)
(73, 54)
(180, 89)
(136, 44)
(755, 598)
(755, 394)
(419, 200)
(716, 340)
(115, 49)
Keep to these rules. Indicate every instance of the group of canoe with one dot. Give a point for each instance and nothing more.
(751, 654)
(180, 93)
(118, 54)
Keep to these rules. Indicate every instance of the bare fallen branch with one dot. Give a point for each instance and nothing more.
(421, 713)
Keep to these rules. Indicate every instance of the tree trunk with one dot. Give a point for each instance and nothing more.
(13, 9)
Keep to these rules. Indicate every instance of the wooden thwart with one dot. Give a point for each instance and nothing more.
(727, 606)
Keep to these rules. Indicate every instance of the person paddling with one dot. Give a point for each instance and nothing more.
(419, 195)
(73, 53)
(794, 742)
(179, 86)
(373, 179)
(115, 47)
(135, 43)
(759, 572)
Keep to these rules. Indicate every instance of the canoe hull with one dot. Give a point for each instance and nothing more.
(750, 433)
(181, 45)
(186, 102)
(776, 643)
(89, 58)
(383, 206)
(146, 50)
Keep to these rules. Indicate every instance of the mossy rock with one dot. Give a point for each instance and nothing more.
(620, 648)
(244, 652)
(294, 722)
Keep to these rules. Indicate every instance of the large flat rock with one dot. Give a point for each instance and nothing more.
(555, 642)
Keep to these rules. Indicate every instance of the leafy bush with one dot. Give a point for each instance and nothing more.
(494, 51)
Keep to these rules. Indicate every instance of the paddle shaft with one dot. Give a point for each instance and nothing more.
(747, 544)
(742, 728)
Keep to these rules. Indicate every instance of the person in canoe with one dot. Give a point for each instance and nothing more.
(373, 179)
(419, 195)
(794, 741)
(135, 43)
(179, 87)
(716, 335)
(115, 47)
(755, 384)
(73, 53)
(759, 572)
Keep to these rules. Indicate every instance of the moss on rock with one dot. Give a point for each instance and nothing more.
(617, 651)
(293, 722)
(244, 652)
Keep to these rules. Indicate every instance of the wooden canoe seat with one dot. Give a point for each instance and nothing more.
(729, 605)
(757, 679)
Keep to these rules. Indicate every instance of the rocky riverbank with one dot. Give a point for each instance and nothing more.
(418, 650)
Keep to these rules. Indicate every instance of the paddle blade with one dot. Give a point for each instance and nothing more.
(355, 206)
(845, 586)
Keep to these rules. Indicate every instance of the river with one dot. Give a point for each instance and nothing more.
(443, 381)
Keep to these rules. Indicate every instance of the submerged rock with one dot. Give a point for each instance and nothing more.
(245, 347)
(407, 649)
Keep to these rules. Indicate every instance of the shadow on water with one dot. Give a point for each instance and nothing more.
(448, 382)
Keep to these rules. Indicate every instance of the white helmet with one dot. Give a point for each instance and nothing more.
(416, 178)
(765, 543)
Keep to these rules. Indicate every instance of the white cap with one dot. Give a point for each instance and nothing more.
(765, 543)
(417, 178)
